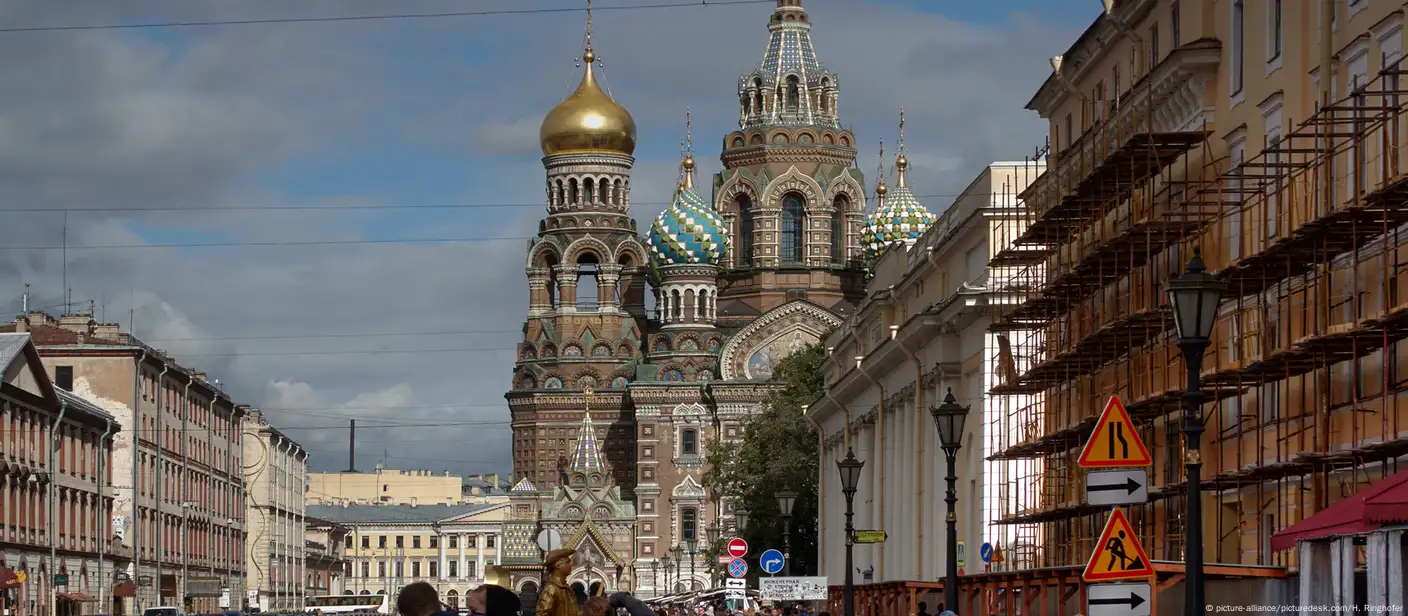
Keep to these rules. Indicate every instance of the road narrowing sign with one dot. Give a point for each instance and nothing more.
(1114, 442)
(1118, 555)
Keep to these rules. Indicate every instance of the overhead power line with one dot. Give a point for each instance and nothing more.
(463, 332)
(352, 206)
(383, 17)
(351, 352)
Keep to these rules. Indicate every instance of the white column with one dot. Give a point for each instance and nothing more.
(479, 556)
(1385, 562)
(459, 569)
(443, 572)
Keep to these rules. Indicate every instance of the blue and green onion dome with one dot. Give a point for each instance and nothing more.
(689, 232)
(899, 218)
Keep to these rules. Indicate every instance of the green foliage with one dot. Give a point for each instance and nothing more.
(778, 451)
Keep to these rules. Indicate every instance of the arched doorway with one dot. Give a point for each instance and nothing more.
(528, 595)
(452, 599)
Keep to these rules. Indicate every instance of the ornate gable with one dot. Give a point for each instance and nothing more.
(689, 489)
(589, 537)
(753, 352)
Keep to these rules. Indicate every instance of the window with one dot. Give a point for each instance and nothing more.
(454, 541)
(381, 542)
(470, 540)
(454, 569)
(745, 231)
(1234, 219)
(347, 542)
(415, 542)
(434, 569)
(415, 568)
(469, 568)
(1153, 46)
(794, 219)
(689, 442)
(794, 93)
(1239, 35)
(689, 524)
(381, 568)
(489, 541)
(838, 229)
(400, 568)
(1358, 80)
(366, 569)
(1068, 136)
(434, 541)
(1275, 185)
(1177, 29)
(384, 487)
(1275, 31)
(63, 377)
(400, 541)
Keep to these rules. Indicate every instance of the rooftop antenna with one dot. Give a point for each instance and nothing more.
(24, 302)
(67, 291)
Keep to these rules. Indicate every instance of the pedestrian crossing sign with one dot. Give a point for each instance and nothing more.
(1114, 441)
(1118, 555)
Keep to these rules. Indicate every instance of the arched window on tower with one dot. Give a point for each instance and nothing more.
(589, 191)
(587, 292)
(551, 263)
(838, 228)
(757, 95)
(572, 191)
(794, 93)
(794, 220)
(689, 442)
(745, 231)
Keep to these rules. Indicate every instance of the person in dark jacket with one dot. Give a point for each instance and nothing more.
(628, 602)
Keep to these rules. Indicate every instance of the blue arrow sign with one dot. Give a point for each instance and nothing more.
(985, 552)
(771, 561)
(737, 568)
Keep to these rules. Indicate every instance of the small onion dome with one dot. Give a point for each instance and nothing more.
(588, 121)
(899, 218)
(689, 232)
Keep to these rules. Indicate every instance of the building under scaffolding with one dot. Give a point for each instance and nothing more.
(1305, 374)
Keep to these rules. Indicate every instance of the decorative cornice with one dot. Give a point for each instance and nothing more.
(762, 154)
(562, 160)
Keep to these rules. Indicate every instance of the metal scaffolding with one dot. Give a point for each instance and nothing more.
(1305, 372)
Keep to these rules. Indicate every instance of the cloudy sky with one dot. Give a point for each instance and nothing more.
(331, 217)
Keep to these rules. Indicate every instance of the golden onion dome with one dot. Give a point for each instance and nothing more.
(588, 121)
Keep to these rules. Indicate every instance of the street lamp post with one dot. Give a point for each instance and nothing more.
(1195, 297)
(713, 551)
(691, 545)
(786, 499)
(850, 476)
(654, 579)
(949, 418)
(740, 520)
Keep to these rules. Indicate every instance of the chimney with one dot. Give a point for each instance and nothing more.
(107, 331)
(22, 324)
(199, 376)
(77, 323)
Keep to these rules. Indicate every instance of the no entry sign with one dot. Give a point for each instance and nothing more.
(737, 547)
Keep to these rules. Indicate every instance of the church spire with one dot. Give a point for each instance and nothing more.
(587, 457)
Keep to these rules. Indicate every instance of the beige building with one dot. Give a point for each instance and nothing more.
(453, 547)
(177, 484)
(325, 565)
(386, 486)
(921, 332)
(276, 473)
(55, 490)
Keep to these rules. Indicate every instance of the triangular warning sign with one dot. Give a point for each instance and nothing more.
(1114, 442)
(1118, 555)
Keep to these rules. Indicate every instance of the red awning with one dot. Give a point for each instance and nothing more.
(125, 589)
(1385, 502)
(77, 596)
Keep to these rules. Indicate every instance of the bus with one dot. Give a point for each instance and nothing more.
(344, 604)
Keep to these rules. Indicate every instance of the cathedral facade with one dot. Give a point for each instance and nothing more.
(613, 405)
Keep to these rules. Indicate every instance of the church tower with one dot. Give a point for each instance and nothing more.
(586, 279)
(789, 193)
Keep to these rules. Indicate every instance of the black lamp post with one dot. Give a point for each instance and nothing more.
(850, 476)
(691, 546)
(785, 500)
(1195, 297)
(654, 579)
(740, 520)
(949, 418)
(713, 551)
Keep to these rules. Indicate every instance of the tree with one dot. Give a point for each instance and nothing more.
(778, 451)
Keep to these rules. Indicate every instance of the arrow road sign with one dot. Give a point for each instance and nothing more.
(985, 552)
(1118, 599)
(771, 562)
(1117, 487)
(737, 568)
(736, 583)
